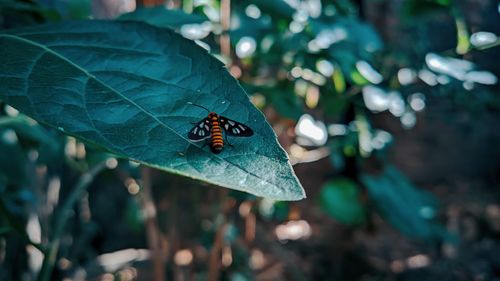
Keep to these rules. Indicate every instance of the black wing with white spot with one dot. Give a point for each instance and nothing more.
(201, 131)
(235, 129)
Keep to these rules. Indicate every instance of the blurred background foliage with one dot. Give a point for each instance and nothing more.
(369, 98)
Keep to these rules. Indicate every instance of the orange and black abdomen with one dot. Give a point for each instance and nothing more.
(217, 142)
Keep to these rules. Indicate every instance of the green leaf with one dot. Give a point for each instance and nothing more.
(125, 87)
(357, 37)
(410, 210)
(162, 17)
(12, 158)
(245, 26)
(340, 199)
(276, 8)
(338, 81)
(421, 7)
(28, 130)
(78, 9)
(284, 100)
(32, 135)
(17, 13)
(463, 43)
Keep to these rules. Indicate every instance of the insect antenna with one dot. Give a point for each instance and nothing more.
(200, 106)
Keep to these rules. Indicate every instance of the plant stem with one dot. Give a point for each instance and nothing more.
(61, 220)
(152, 230)
(225, 17)
(463, 43)
(215, 252)
(14, 225)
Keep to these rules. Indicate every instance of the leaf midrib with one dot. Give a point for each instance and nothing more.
(127, 99)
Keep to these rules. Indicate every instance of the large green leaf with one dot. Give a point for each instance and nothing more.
(125, 86)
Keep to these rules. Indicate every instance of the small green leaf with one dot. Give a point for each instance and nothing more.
(340, 198)
(338, 80)
(162, 17)
(50, 145)
(284, 100)
(357, 78)
(125, 87)
(355, 36)
(276, 9)
(463, 43)
(410, 210)
(249, 27)
(29, 131)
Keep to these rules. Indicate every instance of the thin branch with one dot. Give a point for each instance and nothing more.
(152, 231)
(225, 17)
(215, 254)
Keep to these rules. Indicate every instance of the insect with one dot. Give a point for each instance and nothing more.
(211, 127)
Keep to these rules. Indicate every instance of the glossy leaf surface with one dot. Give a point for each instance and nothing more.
(125, 87)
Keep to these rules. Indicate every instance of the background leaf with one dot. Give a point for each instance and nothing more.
(124, 86)
(410, 210)
(33, 136)
(340, 198)
(162, 17)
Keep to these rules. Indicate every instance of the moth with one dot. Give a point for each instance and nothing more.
(210, 129)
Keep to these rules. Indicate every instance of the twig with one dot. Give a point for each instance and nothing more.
(152, 230)
(225, 18)
(214, 261)
(215, 253)
(60, 223)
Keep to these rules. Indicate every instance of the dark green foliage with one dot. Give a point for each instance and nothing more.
(410, 210)
(419, 7)
(22, 13)
(13, 162)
